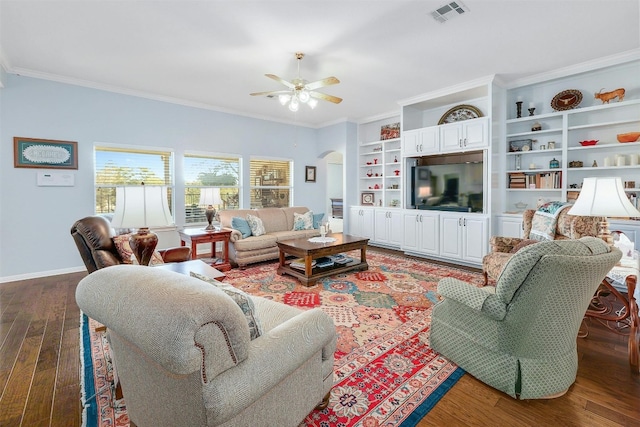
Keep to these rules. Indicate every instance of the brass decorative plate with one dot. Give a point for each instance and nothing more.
(459, 113)
(566, 100)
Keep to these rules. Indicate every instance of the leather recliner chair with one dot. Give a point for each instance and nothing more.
(93, 238)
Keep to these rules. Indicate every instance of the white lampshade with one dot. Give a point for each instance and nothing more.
(603, 197)
(210, 196)
(141, 206)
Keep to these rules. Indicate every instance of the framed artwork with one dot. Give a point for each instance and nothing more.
(44, 153)
(391, 131)
(310, 174)
(367, 199)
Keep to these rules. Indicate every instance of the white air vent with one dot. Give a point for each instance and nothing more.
(449, 11)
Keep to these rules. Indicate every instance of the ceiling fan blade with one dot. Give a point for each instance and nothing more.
(278, 79)
(326, 97)
(271, 92)
(322, 83)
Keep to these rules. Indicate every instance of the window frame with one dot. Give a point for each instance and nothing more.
(134, 149)
(254, 189)
(186, 186)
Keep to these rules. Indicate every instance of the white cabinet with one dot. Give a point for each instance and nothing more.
(469, 134)
(361, 222)
(463, 237)
(509, 226)
(388, 227)
(420, 232)
(421, 141)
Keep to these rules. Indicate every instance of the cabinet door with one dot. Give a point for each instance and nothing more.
(355, 223)
(474, 238)
(395, 228)
(429, 242)
(410, 142)
(381, 233)
(367, 224)
(410, 225)
(450, 137)
(475, 134)
(429, 140)
(451, 236)
(509, 227)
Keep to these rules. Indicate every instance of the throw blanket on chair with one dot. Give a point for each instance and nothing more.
(543, 224)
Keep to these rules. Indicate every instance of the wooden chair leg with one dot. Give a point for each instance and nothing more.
(325, 402)
(486, 278)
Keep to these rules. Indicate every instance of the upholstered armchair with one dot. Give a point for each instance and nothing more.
(503, 248)
(186, 355)
(520, 337)
(95, 243)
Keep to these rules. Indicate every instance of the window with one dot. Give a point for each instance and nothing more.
(129, 166)
(271, 183)
(210, 171)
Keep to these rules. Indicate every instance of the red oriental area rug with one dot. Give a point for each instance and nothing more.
(385, 372)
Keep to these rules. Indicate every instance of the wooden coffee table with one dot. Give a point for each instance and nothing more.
(309, 251)
(196, 265)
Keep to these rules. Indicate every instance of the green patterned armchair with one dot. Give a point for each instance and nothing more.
(520, 337)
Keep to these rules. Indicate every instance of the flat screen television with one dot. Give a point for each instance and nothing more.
(448, 183)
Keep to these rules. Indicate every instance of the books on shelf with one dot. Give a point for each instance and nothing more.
(540, 180)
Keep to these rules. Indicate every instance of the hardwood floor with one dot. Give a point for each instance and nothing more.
(40, 380)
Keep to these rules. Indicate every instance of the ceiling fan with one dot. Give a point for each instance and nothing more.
(300, 90)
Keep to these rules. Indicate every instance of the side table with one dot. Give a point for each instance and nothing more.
(626, 272)
(196, 236)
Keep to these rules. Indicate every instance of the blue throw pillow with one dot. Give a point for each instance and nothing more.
(241, 225)
(316, 220)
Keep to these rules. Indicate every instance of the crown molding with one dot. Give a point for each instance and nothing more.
(154, 97)
(583, 67)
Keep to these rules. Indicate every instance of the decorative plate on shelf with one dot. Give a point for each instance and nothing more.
(459, 113)
(566, 100)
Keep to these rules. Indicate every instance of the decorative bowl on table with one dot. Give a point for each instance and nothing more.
(521, 205)
(628, 137)
(588, 142)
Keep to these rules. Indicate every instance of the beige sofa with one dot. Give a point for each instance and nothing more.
(278, 224)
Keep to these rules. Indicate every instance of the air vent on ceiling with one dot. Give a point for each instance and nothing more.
(449, 11)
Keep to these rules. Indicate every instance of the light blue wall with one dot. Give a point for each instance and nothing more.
(35, 221)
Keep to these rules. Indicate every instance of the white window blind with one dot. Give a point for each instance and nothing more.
(210, 171)
(271, 183)
(115, 166)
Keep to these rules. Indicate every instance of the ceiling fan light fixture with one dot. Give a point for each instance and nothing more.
(304, 96)
(294, 104)
(300, 90)
(284, 99)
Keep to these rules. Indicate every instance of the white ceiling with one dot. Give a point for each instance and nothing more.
(214, 53)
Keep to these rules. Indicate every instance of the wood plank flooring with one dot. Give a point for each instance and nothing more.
(40, 380)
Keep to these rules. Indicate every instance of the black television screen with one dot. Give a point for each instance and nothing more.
(448, 183)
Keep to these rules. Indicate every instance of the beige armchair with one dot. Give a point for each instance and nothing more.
(185, 356)
(503, 248)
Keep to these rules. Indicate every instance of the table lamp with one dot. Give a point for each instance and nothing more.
(142, 207)
(210, 197)
(603, 197)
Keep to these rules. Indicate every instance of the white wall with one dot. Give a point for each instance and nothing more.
(35, 221)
